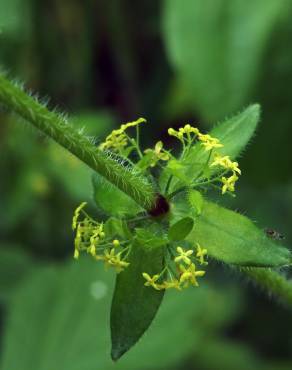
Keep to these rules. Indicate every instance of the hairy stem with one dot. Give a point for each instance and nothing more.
(271, 281)
(113, 168)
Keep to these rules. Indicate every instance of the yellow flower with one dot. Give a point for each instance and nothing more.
(76, 215)
(188, 129)
(132, 124)
(183, 255)
(116, 243)
(112, 259)
(151, 281)
(171, 284)
(234, 167)
(109, 257)
(157, 154)
(92, 250)
(117, 139)
(119, 264)
(209, 142)
(228, 183)
(201, 253)
(189, 275)
(76, 254)
(173, 132)
(225, 162)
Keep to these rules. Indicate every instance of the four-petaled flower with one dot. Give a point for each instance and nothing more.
(201, 253)
(225, 162)
(209, 142)
(189, 275)
(171, 284)
(183, 255)
(228, 183)
(157, 154)
(151, 281)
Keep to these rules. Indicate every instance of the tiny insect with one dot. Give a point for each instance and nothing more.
(273, 234)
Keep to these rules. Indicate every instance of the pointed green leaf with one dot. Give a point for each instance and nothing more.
(232, 238)
(181, 229)
(112, 200)
(134, 305)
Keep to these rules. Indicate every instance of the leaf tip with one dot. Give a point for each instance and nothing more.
(117, 352)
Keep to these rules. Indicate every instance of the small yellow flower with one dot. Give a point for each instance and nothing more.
(116, 140)
(201, 253)
(171, 284)
(209, 142)
(133, 124)
(183, 255)
(76, 215)
(76, 254)
(225, 162)
(157, 154)
(234, 167)
(109, 257)
(92, 250)
(114, 260)
(188, 129)
(189, 275)
(228, 183)
(119, 264)
(151, 281)
(116, 243)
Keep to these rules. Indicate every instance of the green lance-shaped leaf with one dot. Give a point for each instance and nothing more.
(111, 199)
(134, 305)
(181, 229)
(233, 238)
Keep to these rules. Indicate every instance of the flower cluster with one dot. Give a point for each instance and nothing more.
(181, 272)
(91, 238)
(226, 163)
(117, 140)
(188, 134)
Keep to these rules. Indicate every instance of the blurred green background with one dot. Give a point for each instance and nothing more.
(105, 62)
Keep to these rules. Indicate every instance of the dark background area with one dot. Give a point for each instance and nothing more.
(104, 63)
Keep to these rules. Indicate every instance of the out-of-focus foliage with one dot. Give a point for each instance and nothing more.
(108, 62)
(217, 49)
(73, 333)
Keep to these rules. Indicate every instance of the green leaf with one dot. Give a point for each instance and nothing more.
(234, 133)
(115, 227)
(112, 200)
(232, 238)
(216, 48)
(181, 229)
(134, 305)
(150, 238)
(196, 201)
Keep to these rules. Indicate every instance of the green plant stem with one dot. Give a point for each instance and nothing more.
(271, 281)
(52, 124)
